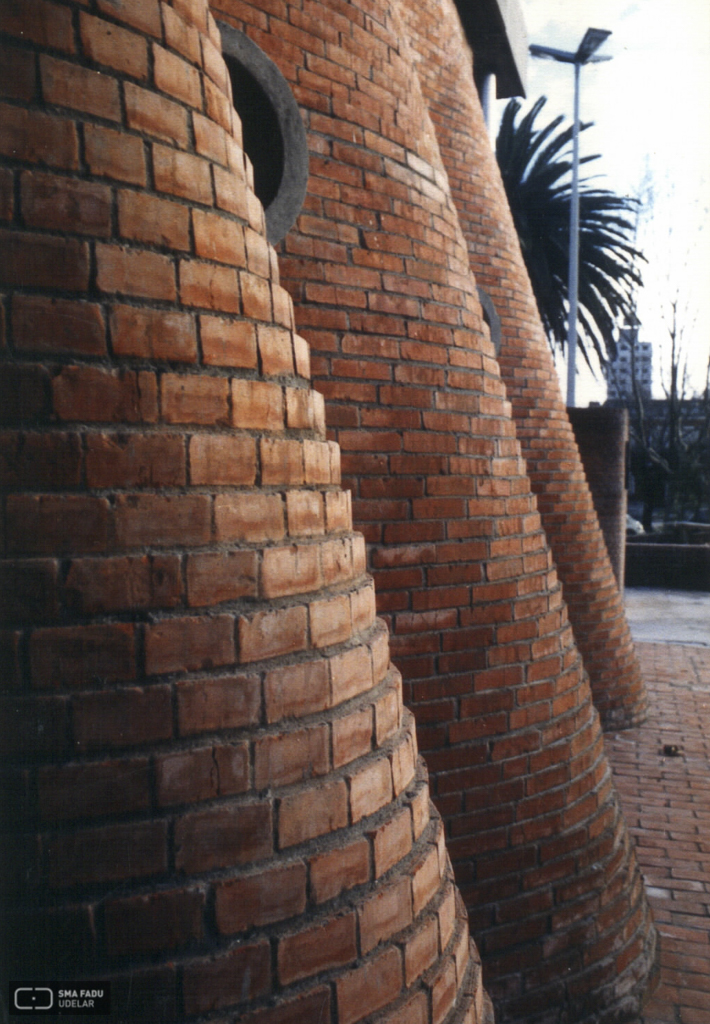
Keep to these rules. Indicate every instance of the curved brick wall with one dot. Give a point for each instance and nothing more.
(212, 787)
(379, 272)
(556, 473)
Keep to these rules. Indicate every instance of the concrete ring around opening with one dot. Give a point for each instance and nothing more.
(273, 132)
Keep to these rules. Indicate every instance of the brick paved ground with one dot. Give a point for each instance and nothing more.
(667, 805)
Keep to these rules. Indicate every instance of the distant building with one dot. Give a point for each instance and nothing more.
(633, 358)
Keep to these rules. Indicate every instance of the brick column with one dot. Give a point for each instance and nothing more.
(595, 606)
(602, 435)
(378, 268)
(212, 792)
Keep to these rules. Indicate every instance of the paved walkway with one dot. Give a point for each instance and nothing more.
(662, 773)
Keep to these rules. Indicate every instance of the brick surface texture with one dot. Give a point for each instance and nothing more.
(379, 271)
(661, 773)
(212, 793)
(543, 428)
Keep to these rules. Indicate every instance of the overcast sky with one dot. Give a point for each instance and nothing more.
(651, 111)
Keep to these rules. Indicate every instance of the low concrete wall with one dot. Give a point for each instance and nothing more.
(676, 566)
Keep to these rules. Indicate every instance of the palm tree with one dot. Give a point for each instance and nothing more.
(536, 173)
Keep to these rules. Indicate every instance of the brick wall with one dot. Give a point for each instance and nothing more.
(212, 789)
(543, 428)
(602, 436)
(378, 269)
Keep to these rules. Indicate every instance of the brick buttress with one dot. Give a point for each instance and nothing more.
(378, 268)
(593, 598)
(213, 798)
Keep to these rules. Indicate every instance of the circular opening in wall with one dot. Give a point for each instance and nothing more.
(272, 130)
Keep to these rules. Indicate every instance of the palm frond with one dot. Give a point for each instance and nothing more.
(536, 167)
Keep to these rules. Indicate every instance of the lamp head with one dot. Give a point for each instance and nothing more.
(593, 39)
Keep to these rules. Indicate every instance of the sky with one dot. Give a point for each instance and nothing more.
(650, 106)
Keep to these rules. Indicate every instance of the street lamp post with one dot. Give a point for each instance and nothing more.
(585, 54)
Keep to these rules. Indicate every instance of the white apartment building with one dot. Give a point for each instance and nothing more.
(633, 357)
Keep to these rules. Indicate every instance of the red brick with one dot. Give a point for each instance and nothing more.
(312, 812)
(249, 517)
(227, 702)
(319, 948)
(370, 789)
(291, 757)
(76, 656)
(242, 974)
(57, 325)
(91, 790)
(385, 913)
(228, 343)
(269, 634)
(305, 513)
(55, 525)
(425, 880)
(202, 773)
(162, 520)
(175, 76)
(421, 950)
(31, 726)
(129, 716)
(189, 644)
(43, 261)
(370, 987)
(28, 593)
(275, 894)
(153, 334)
(38, 138)
(339, 869)
(154, 922)
(209, 287)
(392, 842)
(296, 690)
(40, 461)
(194, 399)
(40, 22)
(179, 35)
(153, 221)
(223, 836)
(106, 43)
(352, 736)
(113, 853)
(115, 155)
(95, 394)
(69, 85)
(330, 621)
(256, 296)
(17, 73)
(65, 204)
(135, 460)
(221, 576)
(275, 351)
(218, 238)
(97, 585)
(291, 570)
(131, 272)
(182, 174)
(231, 192)
(141, 14)
(257, 405)
(222, 459)
(148, 113)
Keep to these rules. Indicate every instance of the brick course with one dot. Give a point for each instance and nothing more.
(211, 776)
(378, 268)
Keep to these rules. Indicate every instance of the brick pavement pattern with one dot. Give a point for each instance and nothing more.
(666, 800)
